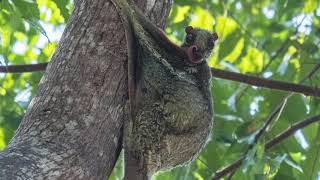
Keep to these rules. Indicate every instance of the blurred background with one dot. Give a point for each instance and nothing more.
(276, 40)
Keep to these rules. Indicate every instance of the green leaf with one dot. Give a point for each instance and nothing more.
(2, 139)
(311, 164)
(62, 5)
(252, 61)
(295, 109)
(294, 165)
(228, 46)
(181, 13)
(28, 9)
(249, 159)
(202, 19)
(310, 5)
(275, 164)
(225, 26)
(117, 172)
(236, 52)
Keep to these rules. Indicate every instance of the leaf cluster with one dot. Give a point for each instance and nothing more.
(272, 39)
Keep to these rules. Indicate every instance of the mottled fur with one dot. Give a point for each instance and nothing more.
(171, 106)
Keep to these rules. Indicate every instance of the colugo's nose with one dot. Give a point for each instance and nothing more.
(194, 48)
(194, 54)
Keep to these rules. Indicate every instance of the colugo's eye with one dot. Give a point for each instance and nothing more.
(189, 38)
(211, 42)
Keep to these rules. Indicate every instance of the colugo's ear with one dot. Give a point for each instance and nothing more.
(215, 36)
(189, 29)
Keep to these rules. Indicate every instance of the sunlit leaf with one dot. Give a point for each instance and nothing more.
(8, 83)
(181, 13)
(237, 50)
(49, 49)
(225, 26)
(310, 5)
(202, 19)
(252, 61)
(229, 45)
(62, 5)
(2, 139)
(117, 173)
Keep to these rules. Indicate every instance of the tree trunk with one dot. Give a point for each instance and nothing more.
(72, 127)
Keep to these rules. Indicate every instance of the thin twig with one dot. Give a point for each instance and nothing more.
(263, 129)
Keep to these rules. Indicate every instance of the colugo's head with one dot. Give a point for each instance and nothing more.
(199, 44)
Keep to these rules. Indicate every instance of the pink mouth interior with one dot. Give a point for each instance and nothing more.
(194, 56)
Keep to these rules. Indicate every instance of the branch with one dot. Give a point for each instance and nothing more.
(261, 82)
(291, 130)
(278, 139)
(23, 68)
(251, 80)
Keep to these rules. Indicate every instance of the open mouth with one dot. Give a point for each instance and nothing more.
(194, 55)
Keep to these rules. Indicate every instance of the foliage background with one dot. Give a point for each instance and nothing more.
(276, 39)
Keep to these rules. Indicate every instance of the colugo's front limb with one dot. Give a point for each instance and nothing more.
(194, 47)
(172, 113)
(141, 23)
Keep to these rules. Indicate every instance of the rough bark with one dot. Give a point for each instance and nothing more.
(72, 127)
